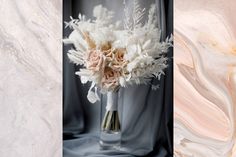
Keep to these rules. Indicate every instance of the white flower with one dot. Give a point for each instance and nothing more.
(133, 51)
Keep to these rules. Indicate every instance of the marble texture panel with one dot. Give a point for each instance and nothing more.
(30, 78)
(205, 78)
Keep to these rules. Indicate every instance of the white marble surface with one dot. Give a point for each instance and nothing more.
(30, 78)
(205, 78)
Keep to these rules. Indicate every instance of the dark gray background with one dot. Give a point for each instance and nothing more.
(147, 127)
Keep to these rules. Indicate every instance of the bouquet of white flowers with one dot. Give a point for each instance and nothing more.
(114, 57)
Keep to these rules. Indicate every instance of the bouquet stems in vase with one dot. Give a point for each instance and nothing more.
(110, 135)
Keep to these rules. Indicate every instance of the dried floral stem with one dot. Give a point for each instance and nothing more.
(111, 122)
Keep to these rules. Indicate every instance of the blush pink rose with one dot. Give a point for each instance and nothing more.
(95, 61)
(119, 61)
(108, 54)
(110, 79)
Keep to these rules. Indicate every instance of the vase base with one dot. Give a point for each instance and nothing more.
(110, 140)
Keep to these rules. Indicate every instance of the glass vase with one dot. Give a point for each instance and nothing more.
(110, 135)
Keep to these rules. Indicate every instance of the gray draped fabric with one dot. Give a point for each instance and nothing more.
(147, 115)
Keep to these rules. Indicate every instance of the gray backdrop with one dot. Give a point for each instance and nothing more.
(147, 125)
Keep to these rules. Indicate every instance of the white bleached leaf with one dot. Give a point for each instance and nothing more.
(138, 14)
(92, 95)
(147, 44)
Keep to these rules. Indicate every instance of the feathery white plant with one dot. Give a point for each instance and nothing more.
(138, 14)
(114, 57)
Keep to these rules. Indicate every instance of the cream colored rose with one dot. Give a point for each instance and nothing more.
(110, 79)
(95, 61)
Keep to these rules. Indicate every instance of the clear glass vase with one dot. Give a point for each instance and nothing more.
(110, 135)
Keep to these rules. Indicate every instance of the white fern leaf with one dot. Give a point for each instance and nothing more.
(138, 14)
